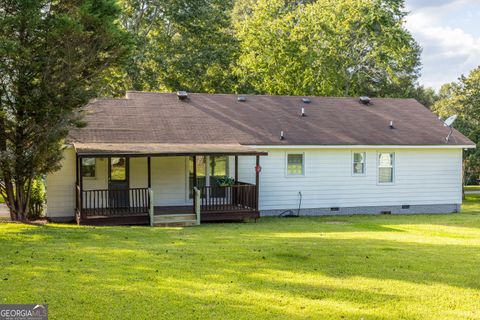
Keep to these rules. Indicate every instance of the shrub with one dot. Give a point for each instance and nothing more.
(37, 199)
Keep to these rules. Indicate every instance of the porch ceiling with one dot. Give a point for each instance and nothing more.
(161, 149)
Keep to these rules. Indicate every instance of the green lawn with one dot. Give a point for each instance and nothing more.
(364, 267)
(472, 188)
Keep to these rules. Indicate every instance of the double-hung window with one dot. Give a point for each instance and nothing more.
(386, 163)
(359, 163)
(295, 164)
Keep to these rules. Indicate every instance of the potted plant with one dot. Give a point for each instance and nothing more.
(225, 181)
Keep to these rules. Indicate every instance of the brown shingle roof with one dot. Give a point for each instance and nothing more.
(162, 118)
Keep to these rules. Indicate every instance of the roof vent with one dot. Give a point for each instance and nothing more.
(306, 100)
(282, 137)
(365, 100)
(241, 98)
(391, 125)
(303, 113)
(182, 95)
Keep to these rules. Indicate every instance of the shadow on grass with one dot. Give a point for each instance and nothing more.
(274, 268)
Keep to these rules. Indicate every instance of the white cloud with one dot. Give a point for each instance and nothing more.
(437, 3)
(449, 50)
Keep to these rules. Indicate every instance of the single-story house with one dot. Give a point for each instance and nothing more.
(165, 158)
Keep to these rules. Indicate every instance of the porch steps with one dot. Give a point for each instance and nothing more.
(175, 220)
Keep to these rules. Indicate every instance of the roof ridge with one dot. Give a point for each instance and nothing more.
(264, 95)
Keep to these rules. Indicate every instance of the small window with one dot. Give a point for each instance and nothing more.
(358, 163)
(88, 167)
(385, 167)
(295, 165)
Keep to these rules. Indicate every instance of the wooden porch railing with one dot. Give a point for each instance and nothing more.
(106, 202)
(239, 197)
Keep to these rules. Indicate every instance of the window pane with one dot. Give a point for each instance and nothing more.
(358, 168)
(385, 167)
(295, 164)
(201, 173)
(359, 163)
(218, 169)
(385, 175)
(358, 157)
(218, 166)
(118, 169)
(385, 159)
(88, 167)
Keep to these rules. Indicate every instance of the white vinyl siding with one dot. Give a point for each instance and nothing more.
(422, 176)
(60, 187)
(169, 180)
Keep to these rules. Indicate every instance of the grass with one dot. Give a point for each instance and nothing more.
(472, 188)
(363, 267)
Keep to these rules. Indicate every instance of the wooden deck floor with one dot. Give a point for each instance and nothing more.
(238, 214)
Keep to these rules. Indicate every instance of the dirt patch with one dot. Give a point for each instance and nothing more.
(39, 222)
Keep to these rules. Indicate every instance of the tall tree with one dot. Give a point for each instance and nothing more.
(180, 44)
(463, 99)
(425, 95)
(53, 55)
(325, 47)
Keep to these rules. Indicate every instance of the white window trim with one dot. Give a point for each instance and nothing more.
(394, 164)
(364, 164)
(304, 167)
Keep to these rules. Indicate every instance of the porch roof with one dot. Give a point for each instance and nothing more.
(161, 149)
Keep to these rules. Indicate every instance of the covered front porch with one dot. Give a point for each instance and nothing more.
(164, 184)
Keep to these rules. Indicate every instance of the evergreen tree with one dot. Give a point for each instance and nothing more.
(53, 58)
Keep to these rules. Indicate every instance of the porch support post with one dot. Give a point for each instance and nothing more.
(77, 191)
(257, 181)
(80, 178)
(151, 210)
(236, 169)
(149, 169)
(194, 187)
(194, 171)
(76, 170)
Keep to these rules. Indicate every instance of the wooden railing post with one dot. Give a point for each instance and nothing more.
(151, 212)
(80, 184)
(197, 204)
(257, 182)
(78, 206)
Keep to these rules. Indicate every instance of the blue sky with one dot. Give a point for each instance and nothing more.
(449, 33)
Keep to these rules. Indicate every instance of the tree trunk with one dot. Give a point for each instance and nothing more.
(17, 198)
